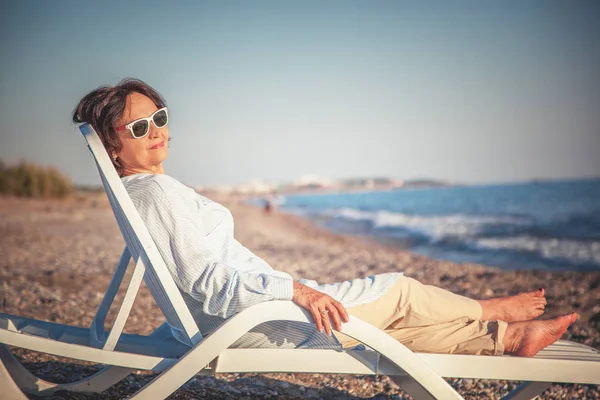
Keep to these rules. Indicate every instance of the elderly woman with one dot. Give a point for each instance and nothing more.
(218, 277)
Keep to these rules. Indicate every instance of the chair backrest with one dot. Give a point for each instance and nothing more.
(141, 246)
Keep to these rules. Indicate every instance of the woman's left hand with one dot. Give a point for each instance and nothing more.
(323, 308)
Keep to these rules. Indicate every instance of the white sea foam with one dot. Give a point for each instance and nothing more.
(467, 230)
(436, 227)
(549, 248)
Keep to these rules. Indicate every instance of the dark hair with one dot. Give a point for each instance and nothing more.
(104, 107)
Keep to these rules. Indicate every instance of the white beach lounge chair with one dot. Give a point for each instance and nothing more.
(418, 374)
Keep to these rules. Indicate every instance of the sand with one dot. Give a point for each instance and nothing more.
(57, 257)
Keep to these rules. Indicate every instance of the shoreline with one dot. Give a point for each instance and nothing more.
(57, 258)
(504, 239)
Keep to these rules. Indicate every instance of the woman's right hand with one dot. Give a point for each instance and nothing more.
(323, 308)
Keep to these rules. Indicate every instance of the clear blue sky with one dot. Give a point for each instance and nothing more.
(464, 91)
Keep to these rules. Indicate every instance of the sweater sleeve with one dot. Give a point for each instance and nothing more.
(223, 289)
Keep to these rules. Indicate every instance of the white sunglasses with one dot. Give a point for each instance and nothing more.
(140, 127)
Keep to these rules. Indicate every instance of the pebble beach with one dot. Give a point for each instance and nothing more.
(57, 258)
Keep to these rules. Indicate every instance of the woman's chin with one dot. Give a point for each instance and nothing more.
(162, 154)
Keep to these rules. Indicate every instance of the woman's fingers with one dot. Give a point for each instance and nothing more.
(323, 308)
(326, 322)
(334, 316)
(324, 315)
(342, 311)
(336, 313)
(316, 314)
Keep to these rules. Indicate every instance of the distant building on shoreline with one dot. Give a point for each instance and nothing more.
(314, 184)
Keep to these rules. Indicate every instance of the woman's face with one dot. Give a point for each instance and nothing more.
(143, 155)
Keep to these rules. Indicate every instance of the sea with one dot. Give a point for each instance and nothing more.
(553, 225)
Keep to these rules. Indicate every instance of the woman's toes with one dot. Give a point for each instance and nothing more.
(574, 317)
(537, 313)
(536, 293)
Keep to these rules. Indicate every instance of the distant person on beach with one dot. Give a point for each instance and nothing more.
(268, 205)
(218, 277)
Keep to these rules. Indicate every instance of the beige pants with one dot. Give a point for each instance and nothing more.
(432, 320)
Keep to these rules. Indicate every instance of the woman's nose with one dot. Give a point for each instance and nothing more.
(154, 131)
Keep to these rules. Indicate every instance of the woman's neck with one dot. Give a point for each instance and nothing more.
(153, 170)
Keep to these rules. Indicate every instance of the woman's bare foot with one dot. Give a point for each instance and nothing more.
(527, 338)
(522, 307)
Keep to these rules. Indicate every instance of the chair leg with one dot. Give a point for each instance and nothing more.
(527, 391)
(410, 386)
(175, 375)
(13, 374)
(10, 389)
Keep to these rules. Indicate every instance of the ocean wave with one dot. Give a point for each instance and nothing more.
(536, 225)
(485, 233)
(586, 252)
(438, 228)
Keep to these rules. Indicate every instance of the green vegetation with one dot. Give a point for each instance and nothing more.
(30, 180)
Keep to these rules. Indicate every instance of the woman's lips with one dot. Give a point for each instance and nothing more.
(158, 145)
